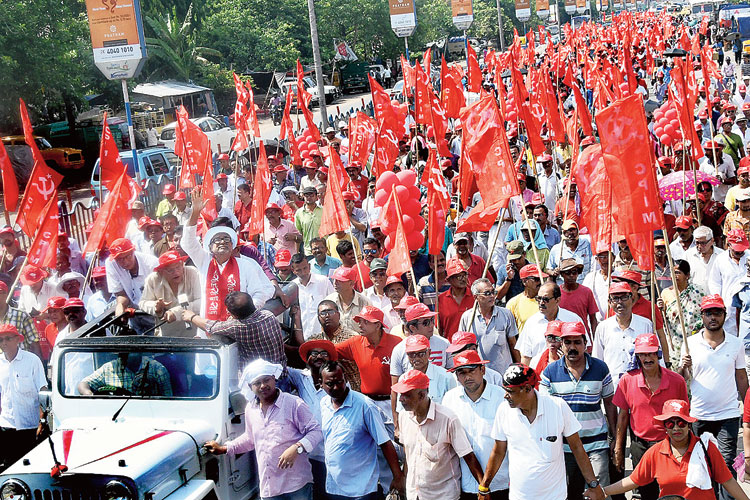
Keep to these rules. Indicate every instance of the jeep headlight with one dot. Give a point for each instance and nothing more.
(13, 489)
(117, 490)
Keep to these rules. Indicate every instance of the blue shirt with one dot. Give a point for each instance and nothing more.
(327, 268)
(582, 255)
(584, 397)
(352, 435)
(303, 381)
(741, 301)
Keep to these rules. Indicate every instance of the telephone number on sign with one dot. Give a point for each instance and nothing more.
(119, 50)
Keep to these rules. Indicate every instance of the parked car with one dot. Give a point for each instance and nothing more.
(152, 164)
(57, 158)
(332, 92)
(354, 76)
(220, 135)
(397, 91)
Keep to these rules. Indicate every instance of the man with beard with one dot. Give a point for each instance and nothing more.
(585, 384)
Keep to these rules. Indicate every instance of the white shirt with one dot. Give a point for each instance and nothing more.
(597, 283)
(548, 187)
(678, 251)
(535, 451)
(531, 342)
(725, 171)
(309, 296)
(252, 278)
(612, 344)
(29, 301)
(438, 356)
(724, 275)
(700, 270)
(713, 388)
(477, 418)
(20, 381)
(120, 280)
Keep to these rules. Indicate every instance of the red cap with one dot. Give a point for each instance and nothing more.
(588, 141)
(418, 311)
(530, 271)
(467, 358)
(272, 206)
(349, 196)
(628, 275)
(32, 274)
(729, 106)
(453, 267)
(675, 408)
(684, 222)
(703, 114)
(221, 176)
(737, 240)
(445, 164)
(315, 152)
(323, 170)
(168, 189)
(413, 379)
(271, 158)
(180, 195)
(461, 340)
(8, 328)
(223, 156)
(99, 272)
(646, 342)
(572, 329)
(619, 287)
(168, 258)
(554, 327)
(342, 274)
(3, 287)
(309, 164)
(327, 345)
(406, 302)
(712, 302)
(744, 165)
(521, 176)
(370, 313)
(537, 199)
(746, 106)
(544, 158)
(120, 247)
(355, 164)
(147, 221)
(73, 302)
(55, 303)
(392, 280)
(7, 230)
(416, 343)
(283, 258)
(713, 145)
(279, 168)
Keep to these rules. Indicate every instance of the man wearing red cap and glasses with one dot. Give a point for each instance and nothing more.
(166, 205)
(727, 271)
(475, 404)
(35, 290)
(432, 471)
(21, 378)
(126, 276)
(529, 428)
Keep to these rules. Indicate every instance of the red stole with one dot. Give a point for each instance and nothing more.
(218, 286)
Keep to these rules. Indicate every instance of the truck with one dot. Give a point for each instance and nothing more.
(354, 76)
(142, 439)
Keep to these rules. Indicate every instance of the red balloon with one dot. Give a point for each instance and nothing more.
(658, 130)
(415, 240)
(407, 178)
(419, 223)
(411, 206)
(666, 140)
(408, 223)
(669, 129)
(414, 192)
(381, 197)
(388, 244)
(671, 114)
(386, 181)
(403, 194)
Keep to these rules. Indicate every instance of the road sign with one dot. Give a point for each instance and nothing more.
(403, 17)
(523, 10)
(542, 9)
(117, 37)
(570, 6)
(463, 14)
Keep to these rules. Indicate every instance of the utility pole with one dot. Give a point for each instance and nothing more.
(318, 63)
(500, 25)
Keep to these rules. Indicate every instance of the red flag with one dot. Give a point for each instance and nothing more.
(335, 217)
(630, 166)
(399, 261)
(481, 217)
(209, 201)
(475, 74)
(554, 122)
(111, 167)
(10, 183)
(391, 129)
(596, 197)
(112, 220)
(191, 144)
(262, 191)
(583, 112)
(438, 203)
(240, 115)
(532, 119)
(452, 91)
(252, 116)
(423, 99)
(303, 102)
(409, 82)
(363, 131)
(43, 250)
(486, 152)
(42, 185)
(287, 127)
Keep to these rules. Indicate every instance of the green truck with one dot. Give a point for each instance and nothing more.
(354, 76)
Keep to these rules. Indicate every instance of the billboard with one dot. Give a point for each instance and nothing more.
(523, 10)
(542, 9)
(403, 17)
(117, 37)
(463, 13)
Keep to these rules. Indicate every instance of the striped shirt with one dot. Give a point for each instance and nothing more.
(584, 397)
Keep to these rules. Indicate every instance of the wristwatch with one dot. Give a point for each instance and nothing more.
(301, 450)
(593, 484)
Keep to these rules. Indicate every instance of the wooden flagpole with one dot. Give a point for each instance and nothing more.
(677, 298)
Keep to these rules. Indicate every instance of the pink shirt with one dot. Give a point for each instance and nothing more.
(285, 227)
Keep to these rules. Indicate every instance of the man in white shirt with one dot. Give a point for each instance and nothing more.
(36, 291)
(475, 403)
(727, 272)
(529, 428)
(531, 342)
(548, 179)
(21, 378)
(723, 168)
(312, 288)
(715, 369)
(685, 239)
(702, 256)
(615, 336)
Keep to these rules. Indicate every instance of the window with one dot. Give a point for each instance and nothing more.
(168, 134)
(173, 159)
(205, 126)
(147, 166)
(159, 164)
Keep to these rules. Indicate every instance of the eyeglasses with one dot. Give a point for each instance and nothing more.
(701, 243)
(425, 322)
(318, 354)
(221, 239)
(370, 251)
(420, 354)
(488, 293)
(543, 300)
(553, 338)
(327, 312)
(619, 299)
(669, 424)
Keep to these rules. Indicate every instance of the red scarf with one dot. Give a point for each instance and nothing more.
(218, 286)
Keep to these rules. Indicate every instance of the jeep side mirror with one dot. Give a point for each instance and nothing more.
(44, 399)
(237, 402)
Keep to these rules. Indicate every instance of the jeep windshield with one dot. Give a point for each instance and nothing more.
(162, 374)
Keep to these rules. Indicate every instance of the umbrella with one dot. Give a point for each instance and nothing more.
(677, 52)
(732, 36)
(670, 186)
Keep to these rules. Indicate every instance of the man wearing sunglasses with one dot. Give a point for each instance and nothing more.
(371, 250)
(715, 367)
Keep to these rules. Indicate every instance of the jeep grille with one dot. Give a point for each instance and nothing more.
(65, 494)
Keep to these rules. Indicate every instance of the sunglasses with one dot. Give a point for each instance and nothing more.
(420, 354)
(327, 312)
(370, 251)
(543, 300)
(488, 293)
(318, 354)
(424, 322)
(669, 424)
(553, 338)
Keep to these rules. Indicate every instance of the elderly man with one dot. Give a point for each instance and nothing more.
(169, 290)
(71, 285)
(353, 429)
(281, 429)
(20, 320)
(166, 205)
(475, 403)
(349, 301)
(577, 298)
(181, 209)
(101, 299)
(530, 428)
(221, 270)
(573, 246)
(21, 378)
(279, 232)
(432, 470)
(685, 240)
(456, 300)
(531, 341)
(467, 341)
(494, 326)
(321, 262)
(727, 272)
(576, 373)
(419, 321)
(35, 290)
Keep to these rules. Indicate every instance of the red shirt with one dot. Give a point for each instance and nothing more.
(746, 410)
(363, 270)
(476, 268)
(242, 212)
(643, 308)
(658, 463)
(374, 363)
(633, 395)
(450, 311)
(360, 188)
(580, 301)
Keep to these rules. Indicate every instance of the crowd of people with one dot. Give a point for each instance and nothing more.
(521, 362)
